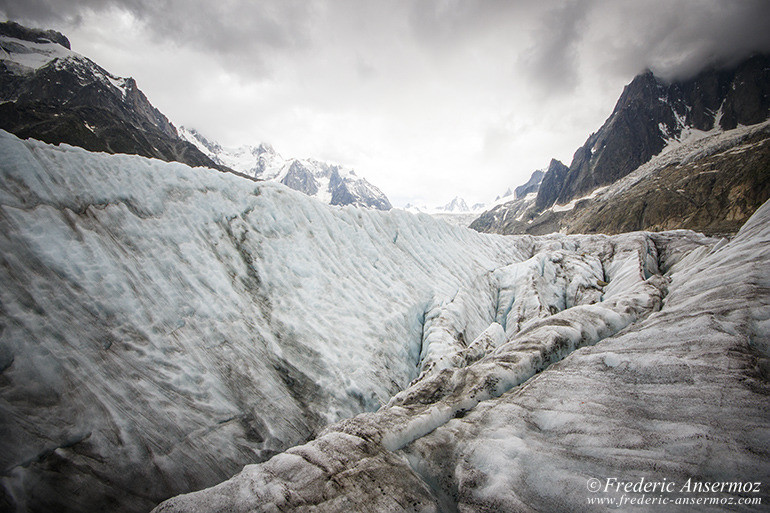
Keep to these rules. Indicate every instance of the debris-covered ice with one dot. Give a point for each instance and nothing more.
(163, 326)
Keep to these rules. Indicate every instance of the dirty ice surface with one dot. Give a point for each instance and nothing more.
(164, 326)
(664, 380)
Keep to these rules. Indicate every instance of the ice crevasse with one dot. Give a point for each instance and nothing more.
(164, 326)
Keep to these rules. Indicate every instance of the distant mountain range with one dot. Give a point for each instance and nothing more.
(710, 171)
(50, 93)
(193, 341)
(330, 183)
(456, 205)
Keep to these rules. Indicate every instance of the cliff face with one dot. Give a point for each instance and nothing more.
(652, 118)
(651, 112)
(552, 182)
(532, 185)
(53, 94)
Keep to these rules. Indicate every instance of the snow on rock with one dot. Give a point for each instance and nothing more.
(456, 212)
(569, 206)
(636, 385)
(692, 145)
(329, 183)
(22, 57)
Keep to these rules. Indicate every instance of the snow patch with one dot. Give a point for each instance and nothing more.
(571, 205)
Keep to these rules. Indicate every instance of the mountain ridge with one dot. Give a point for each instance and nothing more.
(330, 183)
(53, 94)
(651, 117)
(649, 111)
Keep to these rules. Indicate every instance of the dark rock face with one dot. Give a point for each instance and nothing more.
(358, 191)
(551, 182)
(748, 99)
(13, 29)
(650, 111)
(300, 179)
(647, 115)
(532, 185)
(713, 188)
(77, 102)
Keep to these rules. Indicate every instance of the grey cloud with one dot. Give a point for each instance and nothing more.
(243, 33)
(720, 35)
(550, 46)
(620, 37)
(552, 61)
(676, 39)
(446, 23)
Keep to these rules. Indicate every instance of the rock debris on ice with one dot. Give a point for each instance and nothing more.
(163, 326)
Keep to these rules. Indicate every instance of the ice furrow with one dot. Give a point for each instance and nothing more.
(439, 396)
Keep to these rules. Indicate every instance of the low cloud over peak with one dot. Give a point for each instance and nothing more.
(403, 89)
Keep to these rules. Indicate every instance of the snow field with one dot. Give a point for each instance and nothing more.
(452, 385)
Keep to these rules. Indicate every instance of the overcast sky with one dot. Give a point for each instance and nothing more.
(426, 99)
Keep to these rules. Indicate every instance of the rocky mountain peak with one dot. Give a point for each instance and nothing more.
(33, 35)
(50, 93)
(456, 205)
(550, 184)
(264, 148)
(330, 183)
(532, 185)
(653, 123)
(199, 139)
(650, 113)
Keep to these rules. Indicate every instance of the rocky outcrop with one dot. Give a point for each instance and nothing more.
(650, 112)
(652, 116)
(551, 183)
(66, 98)
(532, 185)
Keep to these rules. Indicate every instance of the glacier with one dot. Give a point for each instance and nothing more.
(162, 326)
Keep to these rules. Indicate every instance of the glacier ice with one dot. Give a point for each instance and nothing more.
(163, 326)
(680, 393)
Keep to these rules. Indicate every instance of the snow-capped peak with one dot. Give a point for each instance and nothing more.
(265, 148)
(330, 183)
(25, 51)
(456, 205)
(21, 56)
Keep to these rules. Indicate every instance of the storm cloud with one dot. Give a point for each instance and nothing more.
(417, 95)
